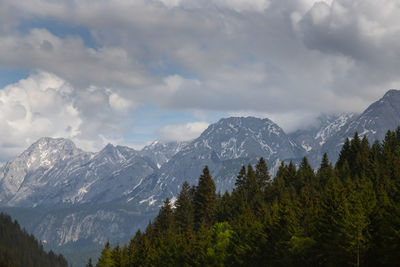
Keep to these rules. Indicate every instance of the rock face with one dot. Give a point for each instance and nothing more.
(161, 152)
(329, 135)
(68, 196)
(377, 118)
(223, 146)
(53, 172)
(22, 176)
(374, 122)
(314, 139)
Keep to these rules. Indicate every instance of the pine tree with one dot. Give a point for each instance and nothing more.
(278, 184)
(262, 175)
(217, 252)
(345, 154)
(205, 200)
(248, 242)
(184, 213)
(341, 229)
(291, 174)
(241, 179)
(18, 248)
(251, 182)
(165, 218)
(324, 162)
(116, 256)
(343, 216)
(305, 175)
(326, 170)
(105, 259)
(225, 207)
(305, 169)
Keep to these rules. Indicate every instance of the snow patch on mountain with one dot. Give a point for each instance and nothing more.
(332, 128)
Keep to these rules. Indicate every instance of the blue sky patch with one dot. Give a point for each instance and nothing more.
(10, 76)
(60, 29)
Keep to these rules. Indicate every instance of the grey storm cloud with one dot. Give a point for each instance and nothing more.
(276, 56)
(366, 33)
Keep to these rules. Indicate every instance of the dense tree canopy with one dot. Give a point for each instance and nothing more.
(19, 249)
(342, 215)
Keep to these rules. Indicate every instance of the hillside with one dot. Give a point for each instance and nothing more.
(18, 248)
(346, 215)
(70, 198)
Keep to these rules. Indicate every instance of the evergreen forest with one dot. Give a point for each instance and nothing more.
(347, 214)
(19, 249)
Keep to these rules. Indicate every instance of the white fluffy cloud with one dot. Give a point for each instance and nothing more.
(182, 132)
(290, 57)
(264, 55)
(38, 106)
(46, 105)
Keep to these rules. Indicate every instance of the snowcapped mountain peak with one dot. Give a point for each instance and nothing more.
(53, 173)
(45, 142)
(332, 127)
(239, 137)
(243, 121)
(109, 149)
(161, 152)
(115, 154)
(236, 125)
(39, 157)
(47, 151)
(153, 145)
(379, 117)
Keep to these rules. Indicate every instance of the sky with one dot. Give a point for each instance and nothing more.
(131, 71)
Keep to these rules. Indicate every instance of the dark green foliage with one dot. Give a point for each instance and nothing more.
(106, 259)
(262, 175)
(347, 215)
(18, 248)
(241, 179)
(204, 200)
(165, 218)
(184, 211)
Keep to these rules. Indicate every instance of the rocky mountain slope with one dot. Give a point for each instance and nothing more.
(75, 197)
(224, 147)
(313, 140)
(53, 172)
(373, 123)
(161, 152)
(329, 135)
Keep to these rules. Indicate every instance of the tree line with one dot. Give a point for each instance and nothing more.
(342, 215)
(20, 249)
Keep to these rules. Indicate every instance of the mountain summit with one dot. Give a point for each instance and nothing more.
(239, 137)
(34, 162)
(374, 122)
(224, 146)
(379, 117)
(107, 195)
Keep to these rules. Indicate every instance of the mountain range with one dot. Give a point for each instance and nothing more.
(75, 201)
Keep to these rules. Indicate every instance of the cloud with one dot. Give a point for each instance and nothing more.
(289, 122)
(182, 132)
(364, 32)
(38, 106)
(284, 58)
(44, 104)
(235, 5)
(68, 57)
